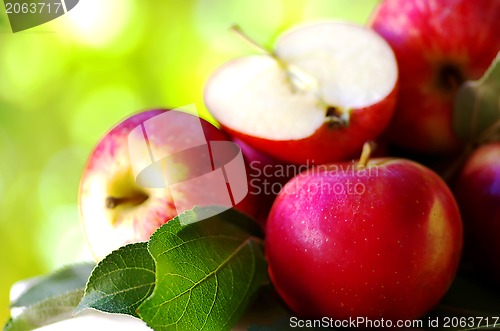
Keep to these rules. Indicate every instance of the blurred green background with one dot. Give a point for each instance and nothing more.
(65, 83)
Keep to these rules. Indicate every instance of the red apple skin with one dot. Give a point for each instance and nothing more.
(267, 176)
(478, 195)
(108, 172)
(388, 247)
(438, 44)
(329, 143)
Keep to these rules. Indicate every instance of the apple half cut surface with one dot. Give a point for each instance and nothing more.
(326, 89)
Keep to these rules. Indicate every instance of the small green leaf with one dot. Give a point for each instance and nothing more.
(121, 282)
(48, 311)
(207, 272)
(67, 279)
(476, 115)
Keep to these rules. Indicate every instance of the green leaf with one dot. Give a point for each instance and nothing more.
(121, 282)
(46, 312)
(476, 115)
(65, 280)
(207, 272)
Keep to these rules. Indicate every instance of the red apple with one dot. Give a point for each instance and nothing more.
(325, 89)
(381, 240)
(125, 196)
(438, 44)
(478, 195)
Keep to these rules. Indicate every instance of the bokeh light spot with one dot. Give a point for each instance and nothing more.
(96, 22)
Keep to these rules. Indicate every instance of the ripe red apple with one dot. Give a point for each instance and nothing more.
(381, 240)
(123, 194)
(478, 196)
(438, 45)
(325, 89)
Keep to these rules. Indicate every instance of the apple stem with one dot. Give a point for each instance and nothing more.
(368, 147)
(239, 31)
(113, 202)
(490, 134)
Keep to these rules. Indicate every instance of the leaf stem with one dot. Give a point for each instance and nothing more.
(491, 133)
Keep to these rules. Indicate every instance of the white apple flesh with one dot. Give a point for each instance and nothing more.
(326, 89)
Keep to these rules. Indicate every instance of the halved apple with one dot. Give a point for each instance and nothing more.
(325, 90)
